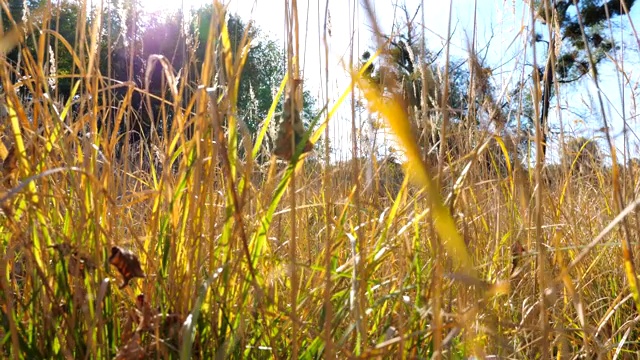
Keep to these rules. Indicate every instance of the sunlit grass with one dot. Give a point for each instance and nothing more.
(470, 254)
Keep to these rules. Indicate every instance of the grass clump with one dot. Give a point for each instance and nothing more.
(150, 216)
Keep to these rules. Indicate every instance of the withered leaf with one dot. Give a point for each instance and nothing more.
(127, 264)
(4, 206)
(132, 350)
(517, 251)
(9, 168)
(140, 302)
(10, 163)
(170, 324)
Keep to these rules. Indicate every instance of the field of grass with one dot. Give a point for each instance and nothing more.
(300, 258)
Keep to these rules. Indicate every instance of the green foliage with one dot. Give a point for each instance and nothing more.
(16, 10)
(573, 63)
(18, 13)
(262, 73)
(125, 26)
(566, 54)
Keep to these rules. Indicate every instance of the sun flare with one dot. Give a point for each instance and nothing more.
(155, 6)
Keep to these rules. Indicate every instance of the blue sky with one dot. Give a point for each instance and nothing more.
(497, 21)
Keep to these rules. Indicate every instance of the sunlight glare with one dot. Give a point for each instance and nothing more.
(159, 6)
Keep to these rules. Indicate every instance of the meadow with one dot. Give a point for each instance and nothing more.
(144, 215)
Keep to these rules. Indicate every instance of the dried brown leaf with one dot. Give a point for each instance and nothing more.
(127, 264)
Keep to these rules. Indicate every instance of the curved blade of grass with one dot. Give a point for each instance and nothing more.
(318, 132)
(396, 116)
(258, 242)
(565, 186)
(265, 125)
(57, 130)
(392, 215)
(503, 147)
(233, 77)
(58, 37)
(267, 120)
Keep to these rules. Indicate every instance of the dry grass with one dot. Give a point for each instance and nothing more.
(295, 259)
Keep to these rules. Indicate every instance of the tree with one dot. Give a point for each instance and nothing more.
(262, 73)
(171, 35)
(65, 23)
(129, 37)
(579, 53)
(19, 15)
(409, 67)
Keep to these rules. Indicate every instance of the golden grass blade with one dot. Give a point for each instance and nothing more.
(258, 241)
(396, 117)
(20, 145)
(76, 60)
(57, 130)
(232, 90)
(227, 51)
(267, 120)
(318, 132)
(505, 152)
